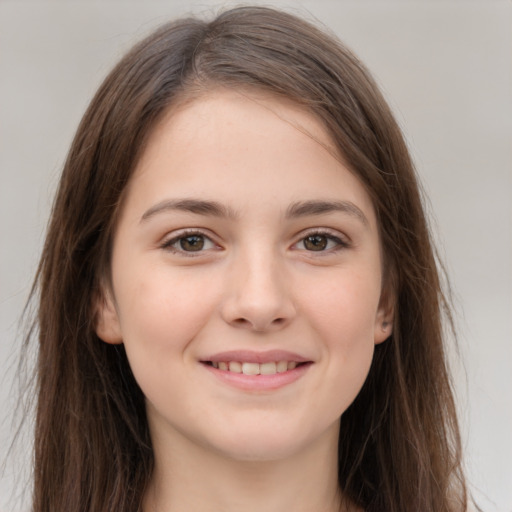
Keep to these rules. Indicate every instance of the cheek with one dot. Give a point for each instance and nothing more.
(344, 309)
(160, 314)
(343, 315)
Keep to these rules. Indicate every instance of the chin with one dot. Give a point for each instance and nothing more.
(250, 452)
(258, 444)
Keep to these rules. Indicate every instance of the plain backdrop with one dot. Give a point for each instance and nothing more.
(445, 67)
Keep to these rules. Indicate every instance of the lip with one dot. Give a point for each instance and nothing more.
(250, 356)
(257, 383)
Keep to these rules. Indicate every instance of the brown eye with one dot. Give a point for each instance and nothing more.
(192, 243)
(187, 243)
(316, 242)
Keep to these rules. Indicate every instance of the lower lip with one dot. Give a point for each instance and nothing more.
(259, 382)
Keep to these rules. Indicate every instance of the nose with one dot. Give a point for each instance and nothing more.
(258, 294)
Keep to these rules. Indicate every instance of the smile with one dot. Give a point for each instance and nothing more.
(251, 368)
(258, 382)
(255, 371)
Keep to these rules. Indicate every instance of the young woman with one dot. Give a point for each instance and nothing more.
(239, 300)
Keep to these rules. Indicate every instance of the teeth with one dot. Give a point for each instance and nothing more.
(236, 367)
(250, 368)
(282, 366)
(270, 368)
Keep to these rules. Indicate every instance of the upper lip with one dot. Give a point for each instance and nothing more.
(249, 356)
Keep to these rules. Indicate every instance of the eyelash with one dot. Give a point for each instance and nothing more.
(169, 244)
(340, 243)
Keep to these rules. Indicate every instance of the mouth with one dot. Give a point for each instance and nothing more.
(257, 371)
(253, 368)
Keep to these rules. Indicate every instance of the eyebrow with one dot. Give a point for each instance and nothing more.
(307, 208)
(197, 206)
(215, 209)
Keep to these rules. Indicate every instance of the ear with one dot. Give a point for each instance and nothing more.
(107, 325)
(384, 318)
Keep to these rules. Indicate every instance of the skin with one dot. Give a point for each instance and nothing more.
(255, 285)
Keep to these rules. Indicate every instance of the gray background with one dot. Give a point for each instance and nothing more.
(446, 68)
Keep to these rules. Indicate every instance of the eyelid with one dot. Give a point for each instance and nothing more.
(174, 237)
(343, 241)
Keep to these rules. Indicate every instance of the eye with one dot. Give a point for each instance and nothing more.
(321, 242)
(189, 243)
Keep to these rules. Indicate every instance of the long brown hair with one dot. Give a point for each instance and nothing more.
(399, 445)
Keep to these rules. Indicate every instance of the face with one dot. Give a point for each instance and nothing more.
(246, 278)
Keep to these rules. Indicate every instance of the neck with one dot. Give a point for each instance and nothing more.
(192, 478)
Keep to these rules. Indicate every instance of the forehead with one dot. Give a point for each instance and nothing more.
(242, 145)
(256, 106)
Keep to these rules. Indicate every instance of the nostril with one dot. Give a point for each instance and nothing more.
(259, 326)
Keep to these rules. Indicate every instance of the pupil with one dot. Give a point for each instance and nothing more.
(315, 243)
(192, 243)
